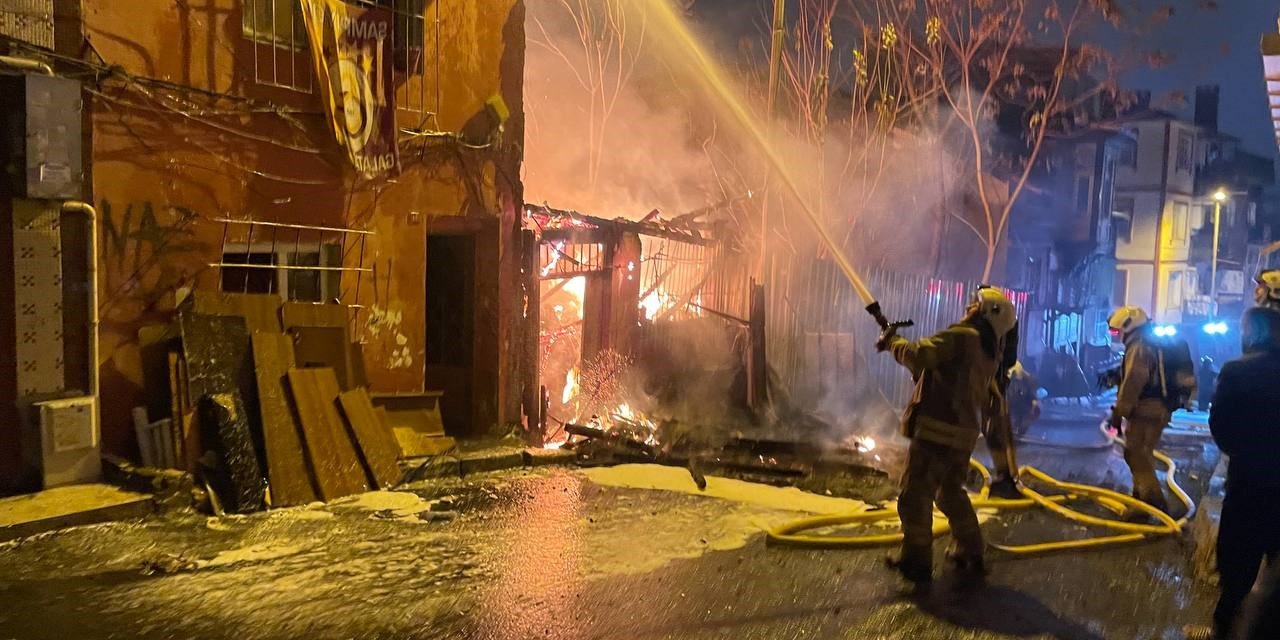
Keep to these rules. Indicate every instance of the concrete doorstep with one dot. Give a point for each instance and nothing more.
(69, 506)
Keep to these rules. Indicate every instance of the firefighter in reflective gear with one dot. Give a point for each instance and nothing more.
(1267, 291)
(953, 372)
(998, 426)
(1024, 406)
(1140, 401)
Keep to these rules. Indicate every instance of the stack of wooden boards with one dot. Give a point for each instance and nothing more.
(267, 401)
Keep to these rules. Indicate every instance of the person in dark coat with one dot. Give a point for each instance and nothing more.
(1245, 421)
(1206, 377)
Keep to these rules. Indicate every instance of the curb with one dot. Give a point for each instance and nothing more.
(483, 461)
(125, 508)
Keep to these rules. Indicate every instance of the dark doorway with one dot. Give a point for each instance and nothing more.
(450, 318)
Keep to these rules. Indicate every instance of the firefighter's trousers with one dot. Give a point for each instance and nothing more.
(1146, 425)
(936, 473)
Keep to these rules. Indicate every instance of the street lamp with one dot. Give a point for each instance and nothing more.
(1218, 197)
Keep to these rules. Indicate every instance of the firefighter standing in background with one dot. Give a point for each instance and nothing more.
(1267, 291)
(953, 372)
(1024, 406)
(998, 426)
(1141, 402)
(1206, 376)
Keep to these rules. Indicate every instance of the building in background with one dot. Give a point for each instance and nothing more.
(1232, 187)
(1062, 244)
(1155, 193)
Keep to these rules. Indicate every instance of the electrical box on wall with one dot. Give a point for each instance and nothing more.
(40, 116)
(69, 441)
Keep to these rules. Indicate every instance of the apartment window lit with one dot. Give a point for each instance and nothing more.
(1180, 221)
(1122, 216)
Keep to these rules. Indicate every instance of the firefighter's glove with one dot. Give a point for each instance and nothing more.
(886, 337)
(1117, 423)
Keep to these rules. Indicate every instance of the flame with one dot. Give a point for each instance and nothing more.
(651, 304)
(570, 386)
(865, 444)
(551, 266)
(577, 287)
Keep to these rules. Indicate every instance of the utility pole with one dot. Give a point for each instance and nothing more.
(775, 68)
(1218, 197)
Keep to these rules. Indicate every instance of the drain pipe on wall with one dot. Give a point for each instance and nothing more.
(26, 64)
(86, 209)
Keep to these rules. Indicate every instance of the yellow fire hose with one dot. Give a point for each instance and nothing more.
(1115, 502)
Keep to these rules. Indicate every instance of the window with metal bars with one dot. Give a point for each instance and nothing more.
(282, 56)
(277, 22)
(285, 271)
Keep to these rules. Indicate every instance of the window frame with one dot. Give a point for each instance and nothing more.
(297, 39)
(1118, 213)
(1119, 291)
(1184, 160)
(285, 255)
(1181, 213)
(1174, 295)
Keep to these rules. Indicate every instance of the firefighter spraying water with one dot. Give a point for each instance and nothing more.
(955, 372)
(956, 393)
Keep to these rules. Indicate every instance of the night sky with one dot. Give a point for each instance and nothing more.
(1210, 47)
(1205, 41)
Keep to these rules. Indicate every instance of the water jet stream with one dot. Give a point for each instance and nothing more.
(710, 73)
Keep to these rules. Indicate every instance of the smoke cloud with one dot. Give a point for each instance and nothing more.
(619, 123)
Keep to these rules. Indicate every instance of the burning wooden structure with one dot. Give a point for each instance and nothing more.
(617, 293)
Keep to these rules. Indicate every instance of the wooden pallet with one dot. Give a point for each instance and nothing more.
(330, 448)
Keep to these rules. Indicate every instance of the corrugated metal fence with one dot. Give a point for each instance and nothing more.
(821, 336)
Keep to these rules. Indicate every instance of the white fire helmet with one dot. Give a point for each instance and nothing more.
(990, 303)
(1126, 320)
(1267, 293)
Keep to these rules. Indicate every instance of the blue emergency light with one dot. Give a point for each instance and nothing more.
(1216, 328)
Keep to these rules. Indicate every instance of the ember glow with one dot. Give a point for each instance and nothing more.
(864, 444)
(570, 386)
(651, 304)
(577, 287)
(551, 266)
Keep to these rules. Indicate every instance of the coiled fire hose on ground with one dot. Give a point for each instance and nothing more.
(793, 532)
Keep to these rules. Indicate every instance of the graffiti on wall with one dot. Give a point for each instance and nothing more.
(147, 251)
(384, 325)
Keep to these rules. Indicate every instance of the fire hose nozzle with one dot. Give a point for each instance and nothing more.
(888, 329)
(885, 323)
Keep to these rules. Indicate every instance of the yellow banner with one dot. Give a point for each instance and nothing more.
(351, 49)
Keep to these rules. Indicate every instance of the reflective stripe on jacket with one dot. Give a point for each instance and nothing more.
(954, 377)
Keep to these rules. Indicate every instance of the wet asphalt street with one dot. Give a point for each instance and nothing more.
(550, 554)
